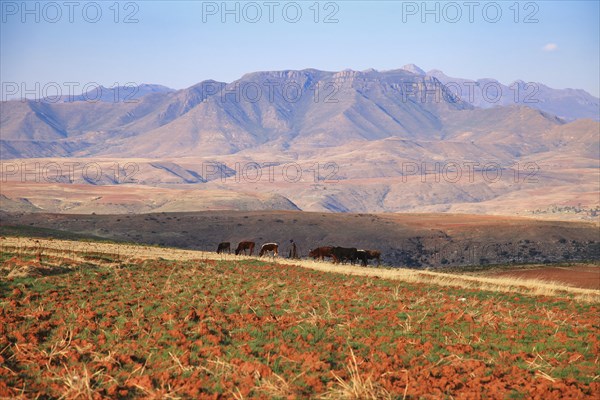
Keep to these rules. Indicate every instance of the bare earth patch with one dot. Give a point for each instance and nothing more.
(585, 276)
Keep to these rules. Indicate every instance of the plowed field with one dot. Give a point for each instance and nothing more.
(85, 322)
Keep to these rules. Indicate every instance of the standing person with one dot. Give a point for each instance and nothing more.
(293, 249)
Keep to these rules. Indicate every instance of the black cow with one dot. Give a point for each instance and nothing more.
(224, 247)
(365, 255)
(362, 256)
(341, 254)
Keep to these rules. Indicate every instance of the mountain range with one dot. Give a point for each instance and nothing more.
(305, 109)
(386, 137)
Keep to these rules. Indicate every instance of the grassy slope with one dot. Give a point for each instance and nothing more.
(34, 231)
(249, 328)
(404, 239)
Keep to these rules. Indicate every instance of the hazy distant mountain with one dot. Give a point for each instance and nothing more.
(414, 69)
(569, 104)
(118, 94)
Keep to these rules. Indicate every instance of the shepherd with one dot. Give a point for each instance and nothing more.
(293, 250)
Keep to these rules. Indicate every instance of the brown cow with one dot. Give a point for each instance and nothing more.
(274, 247)
(243, 246)
(321, 252)
(374, 255)
(224, 247)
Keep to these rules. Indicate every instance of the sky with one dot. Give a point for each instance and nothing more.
(181, 43)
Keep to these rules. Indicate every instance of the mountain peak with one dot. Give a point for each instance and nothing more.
(414, 69)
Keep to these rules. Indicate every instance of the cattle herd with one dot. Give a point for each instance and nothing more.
(343, 254)
(336, 253)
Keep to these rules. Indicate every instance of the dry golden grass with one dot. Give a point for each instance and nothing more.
(123, 253)
(357, 386)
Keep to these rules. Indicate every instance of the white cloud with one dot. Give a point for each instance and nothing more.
(550, 47)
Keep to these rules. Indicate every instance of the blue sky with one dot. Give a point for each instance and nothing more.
(178, 44)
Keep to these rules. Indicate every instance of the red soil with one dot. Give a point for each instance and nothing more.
(583, 276)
